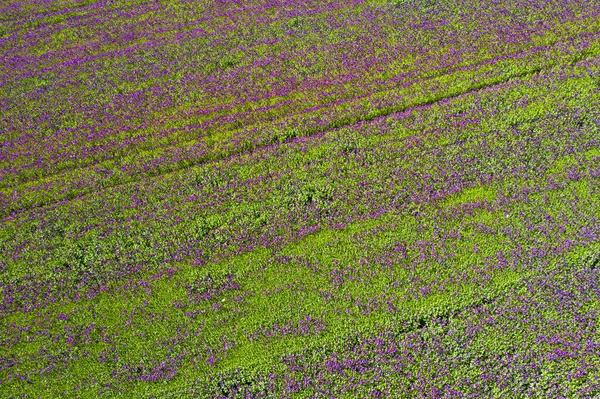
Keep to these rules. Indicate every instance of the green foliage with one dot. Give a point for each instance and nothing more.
(229, 61)
(211, 179)
(197, 177)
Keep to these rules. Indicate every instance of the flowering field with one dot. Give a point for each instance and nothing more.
(300, 199)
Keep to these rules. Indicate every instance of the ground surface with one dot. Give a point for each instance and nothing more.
(321, 199)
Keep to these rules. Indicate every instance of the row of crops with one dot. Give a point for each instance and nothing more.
(320, 199)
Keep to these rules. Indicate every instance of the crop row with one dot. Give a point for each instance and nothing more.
(299, 199)
(230, 259)
(158, 147)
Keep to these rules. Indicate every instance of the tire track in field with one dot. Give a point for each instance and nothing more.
(173, 144)
(380, 113)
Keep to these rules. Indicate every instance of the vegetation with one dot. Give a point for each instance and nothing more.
(300, 199)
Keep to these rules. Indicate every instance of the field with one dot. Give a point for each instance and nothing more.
(300, 199)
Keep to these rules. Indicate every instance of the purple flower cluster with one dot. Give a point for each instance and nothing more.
(300, 199)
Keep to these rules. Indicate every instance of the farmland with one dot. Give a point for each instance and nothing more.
(300, 199)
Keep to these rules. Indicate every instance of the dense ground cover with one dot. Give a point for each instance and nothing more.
(300, 199)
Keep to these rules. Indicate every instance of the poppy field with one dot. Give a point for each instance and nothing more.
(300, 199)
